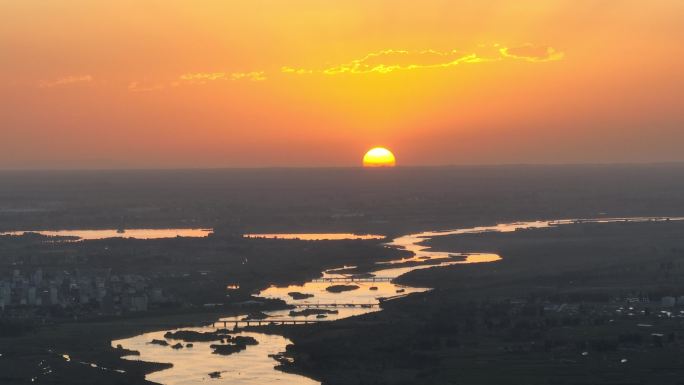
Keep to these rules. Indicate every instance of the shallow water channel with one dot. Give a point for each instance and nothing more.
(255, 366)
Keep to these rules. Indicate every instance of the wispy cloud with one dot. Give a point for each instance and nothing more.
(298, 71)
(203, 77)
(390, 60)
(206, 77)
(532, 53)
(254, 76)
(144, 87)
(394, 60)
(381, 62)
(66, 81)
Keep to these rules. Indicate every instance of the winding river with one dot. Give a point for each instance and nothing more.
(92, 234)
(255, 366)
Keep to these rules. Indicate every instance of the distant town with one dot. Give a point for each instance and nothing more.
(77, 293)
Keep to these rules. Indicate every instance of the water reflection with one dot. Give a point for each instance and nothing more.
(88, 235)
(316, 236)
(254, 366)
(368, 293)
(193, 365)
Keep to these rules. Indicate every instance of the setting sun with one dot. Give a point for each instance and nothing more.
(379, 157)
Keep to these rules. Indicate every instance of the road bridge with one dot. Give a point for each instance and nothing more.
(353, 279)
(266, 322)
(334, 305)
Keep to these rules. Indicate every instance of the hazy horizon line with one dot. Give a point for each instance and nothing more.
(247, 168)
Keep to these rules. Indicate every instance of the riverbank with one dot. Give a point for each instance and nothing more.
(378, 288)
(557, 309)
(491, 288)
(194, 271)
(84, 343)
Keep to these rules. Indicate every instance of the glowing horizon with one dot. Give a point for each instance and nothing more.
(305, 83)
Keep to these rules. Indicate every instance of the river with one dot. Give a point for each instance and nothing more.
(93, 234)
(254, 366)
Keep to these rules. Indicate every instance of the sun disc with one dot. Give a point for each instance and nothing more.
(379, 157)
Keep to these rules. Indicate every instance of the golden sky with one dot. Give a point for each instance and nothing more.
(171, 83)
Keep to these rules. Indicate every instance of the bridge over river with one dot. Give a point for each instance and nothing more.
(334, 305)
(267, 322)
(353, 279)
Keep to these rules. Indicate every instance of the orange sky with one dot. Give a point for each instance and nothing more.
(171, 83)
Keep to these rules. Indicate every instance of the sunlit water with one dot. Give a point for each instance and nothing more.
(315, 236)
(254, 366)
(88, 235)
(193, 365)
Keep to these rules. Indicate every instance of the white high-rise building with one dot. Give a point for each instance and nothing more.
(31, 295)
(38, 277)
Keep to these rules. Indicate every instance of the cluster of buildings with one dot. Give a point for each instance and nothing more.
(96, 291)
(667, 301)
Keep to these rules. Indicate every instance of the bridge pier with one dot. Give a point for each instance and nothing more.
(264, 322)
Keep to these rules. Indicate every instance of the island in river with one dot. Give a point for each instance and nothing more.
(204, 279)
(384, 269)
(580, 304)
(195, 292)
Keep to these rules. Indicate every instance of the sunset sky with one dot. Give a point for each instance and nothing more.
(171, 83)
